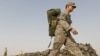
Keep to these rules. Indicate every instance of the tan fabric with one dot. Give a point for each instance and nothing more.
(70, 45)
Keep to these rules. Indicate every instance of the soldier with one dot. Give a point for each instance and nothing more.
(62, 33)
(5, 53)
(21, 54)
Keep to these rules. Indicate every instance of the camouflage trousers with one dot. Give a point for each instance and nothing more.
(69, 43)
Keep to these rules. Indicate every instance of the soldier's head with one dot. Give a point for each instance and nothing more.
(70, 6)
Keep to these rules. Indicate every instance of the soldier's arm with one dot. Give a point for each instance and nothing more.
(64, 23)
(68, 27)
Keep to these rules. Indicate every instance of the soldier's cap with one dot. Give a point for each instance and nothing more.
(71, 3)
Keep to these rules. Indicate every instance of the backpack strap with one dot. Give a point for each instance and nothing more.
(50, 42)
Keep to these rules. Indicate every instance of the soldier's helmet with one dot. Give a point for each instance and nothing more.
(71, 3)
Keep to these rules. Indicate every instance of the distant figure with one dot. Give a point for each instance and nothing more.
(5, 53)
(21, 54)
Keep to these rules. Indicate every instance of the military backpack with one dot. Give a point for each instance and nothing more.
(52, 20)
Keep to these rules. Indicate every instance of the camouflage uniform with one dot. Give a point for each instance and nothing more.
(5, 53)
(62, 36)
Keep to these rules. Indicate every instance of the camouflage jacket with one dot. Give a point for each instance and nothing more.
(64, 23)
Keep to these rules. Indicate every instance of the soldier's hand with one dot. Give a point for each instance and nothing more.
(74, 31)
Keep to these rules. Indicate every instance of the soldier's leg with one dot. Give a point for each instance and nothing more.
(58, 42)
(72, 47)
(56, 49)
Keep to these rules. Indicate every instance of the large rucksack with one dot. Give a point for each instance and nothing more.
(52, 20)
(52, 15)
